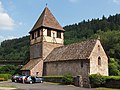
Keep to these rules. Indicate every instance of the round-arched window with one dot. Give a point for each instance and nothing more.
(99, 60)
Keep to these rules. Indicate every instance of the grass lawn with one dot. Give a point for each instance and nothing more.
(9, 86)
(106, 89)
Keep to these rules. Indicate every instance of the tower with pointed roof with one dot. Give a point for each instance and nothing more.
(45, 35)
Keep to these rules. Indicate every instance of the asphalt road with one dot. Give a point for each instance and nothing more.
(41, 86)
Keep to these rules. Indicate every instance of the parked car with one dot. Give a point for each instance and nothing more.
(14, 78)
(33, 79)
(21, 79)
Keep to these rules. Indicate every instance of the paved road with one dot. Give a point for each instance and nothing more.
(41, 86)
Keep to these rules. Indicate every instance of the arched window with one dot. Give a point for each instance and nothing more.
(99, 60)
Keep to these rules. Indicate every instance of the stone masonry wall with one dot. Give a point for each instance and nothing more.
(64, 67)
(94, 67)
(48, 47)
(38, 69)
(36, 51)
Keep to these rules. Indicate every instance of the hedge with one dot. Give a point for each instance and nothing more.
(50, 77)
(112, 77)
(5, 76)
(66, 79)
(97, 80)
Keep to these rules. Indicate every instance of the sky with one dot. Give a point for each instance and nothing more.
(17, 17)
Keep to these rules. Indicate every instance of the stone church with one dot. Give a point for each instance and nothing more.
(49, 56)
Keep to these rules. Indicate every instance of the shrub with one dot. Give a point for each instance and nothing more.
(67, 79)
(5, 76)
(97, 80)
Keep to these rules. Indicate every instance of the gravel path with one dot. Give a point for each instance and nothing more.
(39, 86)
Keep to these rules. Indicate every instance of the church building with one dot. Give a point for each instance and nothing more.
(49, 56)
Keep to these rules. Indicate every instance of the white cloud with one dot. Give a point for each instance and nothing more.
(116, 1)
(73, 1)
(6, 22)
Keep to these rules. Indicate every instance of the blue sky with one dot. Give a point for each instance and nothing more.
(17, 17)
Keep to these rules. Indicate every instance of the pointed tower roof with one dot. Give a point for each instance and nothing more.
(47, 20)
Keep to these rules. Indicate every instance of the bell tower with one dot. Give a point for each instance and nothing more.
(45, 35)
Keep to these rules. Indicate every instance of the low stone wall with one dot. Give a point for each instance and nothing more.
(53, 79)
(113, 83)
(77, 81)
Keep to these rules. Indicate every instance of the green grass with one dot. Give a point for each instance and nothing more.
(106, 89)
(9, 86)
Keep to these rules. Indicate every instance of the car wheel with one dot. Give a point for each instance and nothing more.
(31, 82)
(15, 80)
(41, 81)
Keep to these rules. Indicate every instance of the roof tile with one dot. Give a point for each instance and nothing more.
(72, 52)
(31, 64)
(47, 20)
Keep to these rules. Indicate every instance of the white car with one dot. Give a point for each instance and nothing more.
(33, 79)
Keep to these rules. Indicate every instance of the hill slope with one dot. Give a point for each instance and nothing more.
(15, 49)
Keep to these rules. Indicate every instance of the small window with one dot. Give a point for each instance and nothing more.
(32, 35)
(58, 34)
(81, 64)
(53, 35)
(23, 73)
(99, 61)
(98, 47)
(37, 73)
(48, 32)
(38, 33)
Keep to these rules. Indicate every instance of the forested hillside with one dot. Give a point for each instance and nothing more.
(108, 29)
(16, 49)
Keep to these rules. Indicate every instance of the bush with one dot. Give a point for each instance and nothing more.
(67, 79)
(97, 80)
(5, 76)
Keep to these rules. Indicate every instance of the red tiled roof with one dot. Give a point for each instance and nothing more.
(31, 64)
(47, 20)
(72, 52)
